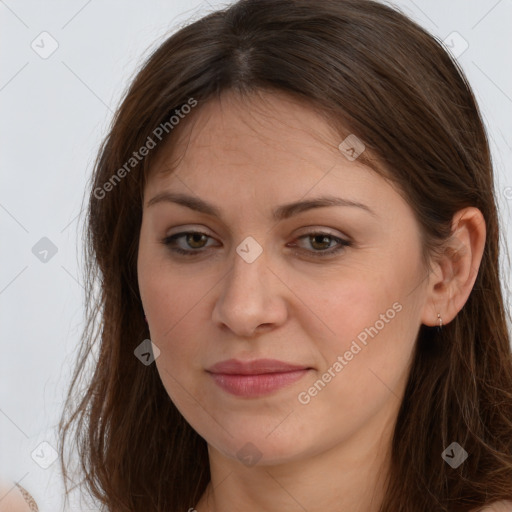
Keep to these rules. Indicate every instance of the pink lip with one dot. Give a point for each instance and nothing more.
(255, 378)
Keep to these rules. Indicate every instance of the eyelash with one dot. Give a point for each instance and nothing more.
(170, 241)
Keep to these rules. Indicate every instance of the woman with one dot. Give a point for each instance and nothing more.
(297, 239)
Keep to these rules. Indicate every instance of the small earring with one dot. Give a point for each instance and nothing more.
(440, 320)
(145, 319)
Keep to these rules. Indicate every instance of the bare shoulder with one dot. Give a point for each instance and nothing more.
(15, 498)
(499, 506)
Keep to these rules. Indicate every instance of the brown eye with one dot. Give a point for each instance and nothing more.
(321, 240)
(194, 240)
(320, 243)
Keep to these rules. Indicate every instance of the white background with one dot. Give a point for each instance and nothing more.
(55, 112)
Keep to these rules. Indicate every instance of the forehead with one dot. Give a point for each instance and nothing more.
(272, 134)
(248, 158)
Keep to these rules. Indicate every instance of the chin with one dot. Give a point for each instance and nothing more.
(255, 447)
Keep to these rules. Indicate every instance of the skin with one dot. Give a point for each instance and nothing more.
(12, 498)
(247, 158)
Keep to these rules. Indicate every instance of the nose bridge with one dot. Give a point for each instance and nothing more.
(247, 298)
(248, 275)
(249, 262)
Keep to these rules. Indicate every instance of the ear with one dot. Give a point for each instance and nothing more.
(454, 273)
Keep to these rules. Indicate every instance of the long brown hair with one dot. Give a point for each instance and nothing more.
(374, 73)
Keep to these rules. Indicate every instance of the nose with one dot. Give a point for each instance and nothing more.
(251, 299)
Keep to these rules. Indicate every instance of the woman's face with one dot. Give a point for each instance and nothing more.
(286, 287)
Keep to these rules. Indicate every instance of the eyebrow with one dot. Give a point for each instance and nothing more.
(283, 212)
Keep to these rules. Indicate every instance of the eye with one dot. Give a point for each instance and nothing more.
(319, 240)
(196, 240)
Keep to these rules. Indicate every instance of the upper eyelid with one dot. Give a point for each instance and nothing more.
(312, 232)
(305, 230)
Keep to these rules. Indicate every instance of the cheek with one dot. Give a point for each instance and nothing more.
(175, 317)
(172, 304)
(364, 371)
(172, 298)
(369, 322)
(349, 304)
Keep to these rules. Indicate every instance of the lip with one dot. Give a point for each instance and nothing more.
(255, 378)
(256, 367)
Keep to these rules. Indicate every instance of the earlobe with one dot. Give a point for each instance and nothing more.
(456, 270)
